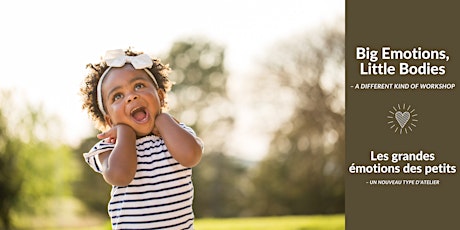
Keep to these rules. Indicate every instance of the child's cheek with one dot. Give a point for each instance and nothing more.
(117, 111)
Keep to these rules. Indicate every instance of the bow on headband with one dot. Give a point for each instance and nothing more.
(118, 58)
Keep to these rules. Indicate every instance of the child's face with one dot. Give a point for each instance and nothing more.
(130, 97)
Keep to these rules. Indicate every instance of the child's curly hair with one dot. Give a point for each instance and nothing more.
(88, 90)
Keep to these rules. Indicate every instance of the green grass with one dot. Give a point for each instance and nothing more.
(314, 222)
(317, 222)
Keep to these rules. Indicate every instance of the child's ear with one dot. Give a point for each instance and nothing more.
(162, 96)
(108, 120)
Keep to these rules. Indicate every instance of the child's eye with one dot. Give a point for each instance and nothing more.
(117, 96)
(139, 86)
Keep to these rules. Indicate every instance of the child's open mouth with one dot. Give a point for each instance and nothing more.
(139, 114)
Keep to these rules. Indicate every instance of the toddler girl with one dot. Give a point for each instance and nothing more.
(144, 153)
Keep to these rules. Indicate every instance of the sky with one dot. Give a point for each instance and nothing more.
(46, 44)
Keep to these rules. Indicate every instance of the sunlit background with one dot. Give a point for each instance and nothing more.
(260, 81)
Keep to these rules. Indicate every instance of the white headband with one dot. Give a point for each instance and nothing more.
(118, 58)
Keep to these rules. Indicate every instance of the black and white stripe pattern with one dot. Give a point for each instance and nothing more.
(161, 194)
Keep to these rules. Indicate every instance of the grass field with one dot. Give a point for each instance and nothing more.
(317, 222)
(70, 214)
(314, 222)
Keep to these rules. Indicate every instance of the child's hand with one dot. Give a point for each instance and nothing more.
(120, 167)
(110, 135)
(155, 130)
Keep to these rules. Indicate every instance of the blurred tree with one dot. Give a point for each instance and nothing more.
(303, 172)
(199, 97)
(219, 190)
(35, 168)
(10, 175)
(200, 100)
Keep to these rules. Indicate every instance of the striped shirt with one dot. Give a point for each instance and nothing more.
(161, 193)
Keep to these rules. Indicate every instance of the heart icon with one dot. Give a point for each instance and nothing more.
(402, 118)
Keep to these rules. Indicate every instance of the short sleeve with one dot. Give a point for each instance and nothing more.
(92, 157)
(191, 131)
